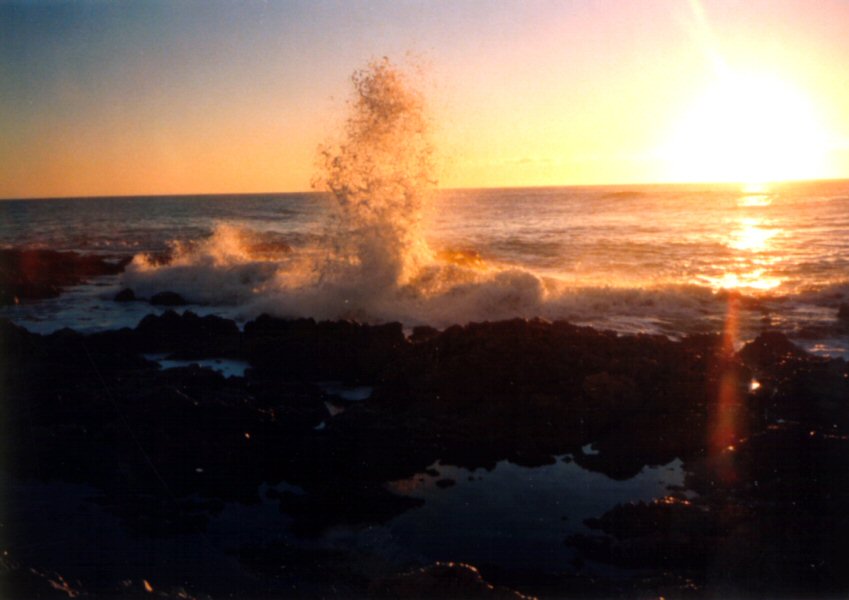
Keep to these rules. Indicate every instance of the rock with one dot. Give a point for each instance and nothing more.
(31, 274)
(167, 299)
(843, 312)
(308, 567)
(524, 391)
(19, 581)
(447, 482)
(189, 336)
(440, 580)
(125, 295)
(668, 533)
(296, 405)
(770, 349)
(423, 333)
(306, 350)
(604, 392)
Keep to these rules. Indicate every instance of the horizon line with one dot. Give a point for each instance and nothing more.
(438, 189)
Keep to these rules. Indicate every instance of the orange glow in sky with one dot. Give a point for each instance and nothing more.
(220, 97)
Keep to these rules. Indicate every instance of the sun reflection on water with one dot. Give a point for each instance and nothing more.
(753, 200)
(752, 280)
(752, 234)
(755, 240)
(755, 194)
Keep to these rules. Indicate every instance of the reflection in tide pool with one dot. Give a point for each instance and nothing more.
(512, 516)
(515, 516)
(227, 367)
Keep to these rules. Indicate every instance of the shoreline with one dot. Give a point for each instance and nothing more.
(91, 409)
(46, 290)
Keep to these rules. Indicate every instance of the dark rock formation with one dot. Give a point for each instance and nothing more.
(188, 336)
(441, 580)
(167, 299)
(35, 274)
(125, 295)
(304, 349)
(770, 349)
(167, 448)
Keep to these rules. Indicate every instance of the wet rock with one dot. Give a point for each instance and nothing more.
(570, 378)
(767, 519)
(167, 299)
(166, 447)
(16, 343)
(31, 274)
(423, 333)
(440, 580)
(307, 350)
(125, 295)
(793, 466)
(604, 392)
(330, 570)
(19, 581)
(642, 439)
(671, 532)
(189, 336)
(296, 405)
(770, 349)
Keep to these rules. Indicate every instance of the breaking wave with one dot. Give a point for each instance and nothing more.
(373, 263)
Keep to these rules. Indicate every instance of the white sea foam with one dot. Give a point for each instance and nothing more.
(222, 269)
(374, 264)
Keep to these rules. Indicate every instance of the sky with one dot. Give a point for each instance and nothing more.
(122, 98)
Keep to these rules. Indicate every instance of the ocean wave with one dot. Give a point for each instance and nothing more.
(236, 269)
(373, 263)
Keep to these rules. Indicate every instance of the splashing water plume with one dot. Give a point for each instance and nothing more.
(373, 262)
(377, 264)
(380, 176)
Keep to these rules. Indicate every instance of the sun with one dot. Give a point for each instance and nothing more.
(747, 128)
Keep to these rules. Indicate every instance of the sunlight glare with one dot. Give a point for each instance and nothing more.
(748, 128)
(755, 241)
(752, 236)
(754, 280)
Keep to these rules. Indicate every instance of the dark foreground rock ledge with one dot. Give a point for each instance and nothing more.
(763, 436)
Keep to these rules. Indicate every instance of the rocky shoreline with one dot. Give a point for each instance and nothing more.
(763, 435)
(34, 274)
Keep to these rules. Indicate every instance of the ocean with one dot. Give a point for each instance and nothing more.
(659, 259)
